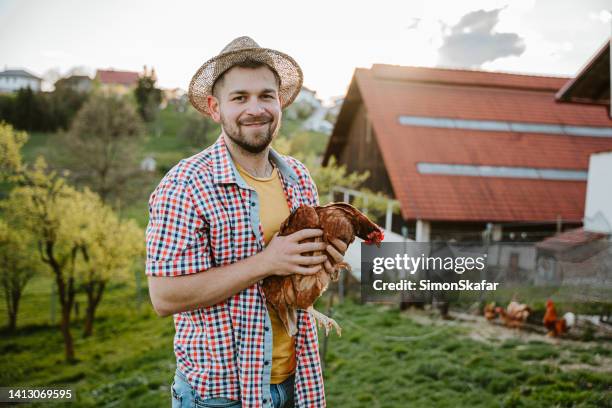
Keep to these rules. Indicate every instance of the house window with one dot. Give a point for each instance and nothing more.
(505, 126)
(501, 171)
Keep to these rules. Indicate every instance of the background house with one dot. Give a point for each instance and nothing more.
(592, 86)
(176, 97)
(310, 109)
(470, 152)
(118, 82)
(12, 80)
(78, 83)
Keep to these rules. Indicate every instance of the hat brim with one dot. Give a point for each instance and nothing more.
(289, 72)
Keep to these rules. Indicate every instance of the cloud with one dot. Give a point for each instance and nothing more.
(414, 23)
(56, 54)
(603, 15)
(473, 41)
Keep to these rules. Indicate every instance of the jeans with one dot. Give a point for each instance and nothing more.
(184, 396)
(282, 394)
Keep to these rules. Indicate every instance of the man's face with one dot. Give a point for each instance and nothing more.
(247, 105)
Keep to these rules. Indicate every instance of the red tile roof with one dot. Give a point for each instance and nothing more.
(569, 240)
(391, 91)
(127, 78)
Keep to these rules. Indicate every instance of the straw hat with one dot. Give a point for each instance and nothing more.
(241, 49)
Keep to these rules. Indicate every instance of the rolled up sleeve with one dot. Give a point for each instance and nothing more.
(177, 242)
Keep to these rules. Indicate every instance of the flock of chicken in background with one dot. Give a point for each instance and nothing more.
(515, 315)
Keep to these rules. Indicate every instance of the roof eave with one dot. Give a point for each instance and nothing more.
(563, 94)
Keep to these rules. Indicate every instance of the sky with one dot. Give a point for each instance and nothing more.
(329, 39)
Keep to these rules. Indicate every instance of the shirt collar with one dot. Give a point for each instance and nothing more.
(225, 171)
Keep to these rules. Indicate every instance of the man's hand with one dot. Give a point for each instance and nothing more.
(283, 254)
(337, 251)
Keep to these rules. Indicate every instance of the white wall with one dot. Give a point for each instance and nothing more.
(598, 208)
(14, 83)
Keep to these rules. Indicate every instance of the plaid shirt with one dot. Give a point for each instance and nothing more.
(202, 215)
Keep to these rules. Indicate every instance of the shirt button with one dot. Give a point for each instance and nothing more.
(265, 400)
(266, 362)
(252, 203)
(266, 328)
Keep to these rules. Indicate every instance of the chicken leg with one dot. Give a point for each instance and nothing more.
(327, 322)
(337, 269)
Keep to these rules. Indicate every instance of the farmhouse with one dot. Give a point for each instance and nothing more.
(467, 153)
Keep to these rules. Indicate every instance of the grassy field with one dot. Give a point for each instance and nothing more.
(383, 359)
(392, 359)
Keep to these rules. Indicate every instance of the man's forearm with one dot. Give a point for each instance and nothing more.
(179, 294)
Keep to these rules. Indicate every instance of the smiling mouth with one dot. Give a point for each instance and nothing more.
(255, 124)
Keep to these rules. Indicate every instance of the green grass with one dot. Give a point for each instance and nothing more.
(383, 359)
(39, 144)
(138, 211)
(164, 135)
(169, 121)
(129, 358)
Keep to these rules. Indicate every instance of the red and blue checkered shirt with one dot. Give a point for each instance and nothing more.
(202, 215)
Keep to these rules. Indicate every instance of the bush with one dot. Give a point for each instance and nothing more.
(41, 111)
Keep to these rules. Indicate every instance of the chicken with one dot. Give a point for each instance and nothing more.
(489, 311)
(515, 314)
(555, 325)
(287, 294)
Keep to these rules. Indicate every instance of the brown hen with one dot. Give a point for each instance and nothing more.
(515, 315)
(287, 294)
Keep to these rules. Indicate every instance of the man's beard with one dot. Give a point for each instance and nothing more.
(259, 141)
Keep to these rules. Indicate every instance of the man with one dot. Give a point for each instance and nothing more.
(212, 239)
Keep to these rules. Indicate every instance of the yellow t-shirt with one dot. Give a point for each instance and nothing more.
(273, 209)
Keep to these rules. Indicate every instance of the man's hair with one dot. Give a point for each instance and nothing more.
(247, 63)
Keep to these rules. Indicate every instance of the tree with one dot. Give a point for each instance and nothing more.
(77, 237)
(41, 111)
(147, 95)
(75, 232)
(309, 142)
(199, 130)
(325, 177)
(282, 145)
(7, 107)
(64, 104)
(29, 110)
(109, 247)
(41, 202)
(17, 267)
(333, 175)
(102, 146)
(11, 142)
